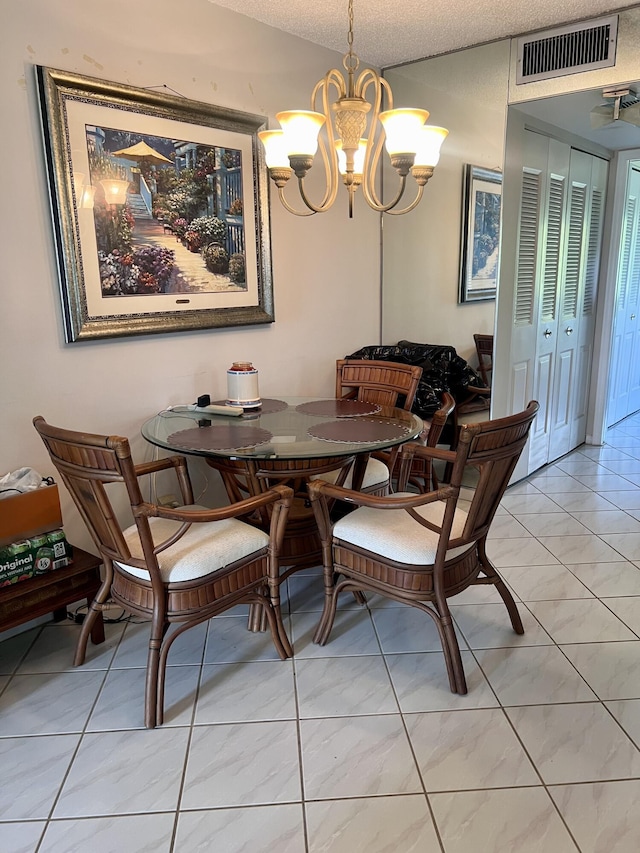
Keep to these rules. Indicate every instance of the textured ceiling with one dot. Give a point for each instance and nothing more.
(390, 32)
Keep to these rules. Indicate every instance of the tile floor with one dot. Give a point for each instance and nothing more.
(360, 746)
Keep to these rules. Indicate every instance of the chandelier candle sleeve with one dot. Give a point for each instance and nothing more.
(242, 385)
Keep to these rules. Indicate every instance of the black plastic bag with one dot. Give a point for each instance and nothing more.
(442, 370)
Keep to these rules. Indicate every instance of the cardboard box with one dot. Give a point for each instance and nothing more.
(35, 556)
(29, 514)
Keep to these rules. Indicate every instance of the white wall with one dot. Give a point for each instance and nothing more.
(327, 298)
(465, 92)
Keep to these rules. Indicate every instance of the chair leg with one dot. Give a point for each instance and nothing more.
(279, 636)
(450, 645)
(489, 570)
(453, 650)
(331, 592)
(275, 609)
(95, 610)
(257, 621)
(154, 684)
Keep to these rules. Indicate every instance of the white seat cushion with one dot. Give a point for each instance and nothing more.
(376, 474)
(205, 547)
(395, 535)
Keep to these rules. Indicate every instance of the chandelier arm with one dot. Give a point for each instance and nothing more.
(376, 135)
(409, 207)
(365, 79)
(327, 151)
(332, 77)
(290, 209)
(388, 208)
(316, 208)
(371, 162)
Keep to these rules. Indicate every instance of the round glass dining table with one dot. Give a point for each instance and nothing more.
(301, 428)
(285, 440)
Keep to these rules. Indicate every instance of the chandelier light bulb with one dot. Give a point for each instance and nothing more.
(301, 129)
(358, 158)
(402, 129)
(430, 141)
(275, 149)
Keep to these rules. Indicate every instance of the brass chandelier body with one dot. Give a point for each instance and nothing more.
(349, 151)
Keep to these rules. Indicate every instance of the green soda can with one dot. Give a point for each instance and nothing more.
(57, 541)
(43, 560)
(17, 548)
(55, 536)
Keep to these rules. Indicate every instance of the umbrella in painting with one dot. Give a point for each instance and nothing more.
(142, 153)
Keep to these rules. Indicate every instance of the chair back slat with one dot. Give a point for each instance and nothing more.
(379, 382)
(86, 463)
(493, 448)
(484, 350)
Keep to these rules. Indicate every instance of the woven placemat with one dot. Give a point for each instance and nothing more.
(267, 407)
(338, 408)
(359, 431)
(219, 437)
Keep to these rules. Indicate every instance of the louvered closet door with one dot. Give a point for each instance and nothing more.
(545, 175)
(560, 234)
(632, 319)
(576, 302)
(624, 396)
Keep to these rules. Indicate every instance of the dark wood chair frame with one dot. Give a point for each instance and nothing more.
(381, 383)
(484, 350)
(87, 463)
(422, 474)
(493, 448)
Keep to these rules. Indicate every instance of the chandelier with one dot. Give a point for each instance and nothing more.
(349, 132)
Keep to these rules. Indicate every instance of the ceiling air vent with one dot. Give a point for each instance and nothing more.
(567, 50)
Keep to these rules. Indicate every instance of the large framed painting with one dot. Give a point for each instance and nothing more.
(480, 252)
(160, 209)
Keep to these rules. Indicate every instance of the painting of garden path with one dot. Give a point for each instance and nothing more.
(168, 214)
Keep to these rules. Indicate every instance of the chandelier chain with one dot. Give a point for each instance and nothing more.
(350, 59)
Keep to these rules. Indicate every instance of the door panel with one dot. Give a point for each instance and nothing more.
(560, 237)
(624, 394)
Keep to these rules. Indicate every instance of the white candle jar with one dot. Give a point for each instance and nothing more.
(242, 385)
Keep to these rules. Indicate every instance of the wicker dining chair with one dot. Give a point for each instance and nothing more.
(383, 383)
(181, 565)
(421, 549)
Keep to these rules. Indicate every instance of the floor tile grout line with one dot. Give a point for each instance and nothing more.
(413, 753)
(305, 829)
(183, 775)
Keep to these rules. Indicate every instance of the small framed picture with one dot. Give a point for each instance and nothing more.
(480, 251)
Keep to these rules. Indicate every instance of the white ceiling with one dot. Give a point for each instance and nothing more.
(390, 32)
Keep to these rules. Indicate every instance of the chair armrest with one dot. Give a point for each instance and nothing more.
(280, 496)
(244, 507)
(319, 488)
(179, 464)
(412, 448)
(143, 468)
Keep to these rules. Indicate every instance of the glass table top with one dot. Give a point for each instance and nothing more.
(285, 428)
